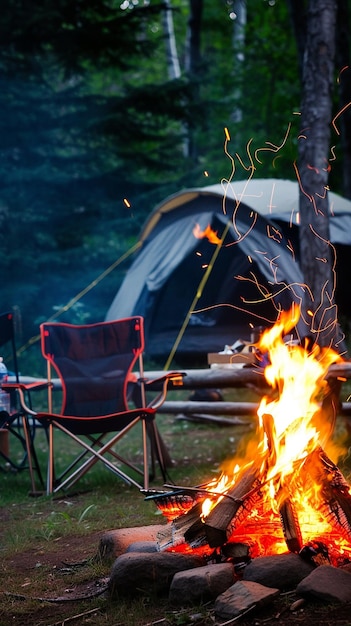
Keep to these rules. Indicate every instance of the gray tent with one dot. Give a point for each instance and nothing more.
(254, 274)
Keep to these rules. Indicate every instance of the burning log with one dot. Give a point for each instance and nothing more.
(235, 506)
(335, 491)
(174, 534)
(291, 526)
(231, 516)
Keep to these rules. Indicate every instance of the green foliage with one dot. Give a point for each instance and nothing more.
(89, 118)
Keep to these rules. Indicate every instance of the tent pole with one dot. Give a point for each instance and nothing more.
(197, 297)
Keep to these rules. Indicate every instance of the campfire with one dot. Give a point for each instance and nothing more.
(285, 491)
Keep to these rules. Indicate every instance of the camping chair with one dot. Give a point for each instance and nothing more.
(17, 422)
(94, 363)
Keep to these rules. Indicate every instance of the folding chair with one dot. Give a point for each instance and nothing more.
(94, 363)
(18, 422)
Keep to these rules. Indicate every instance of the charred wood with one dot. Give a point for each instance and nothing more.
(290, 525)
(335, 491)
(234, 508)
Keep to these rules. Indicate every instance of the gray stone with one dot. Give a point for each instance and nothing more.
(282, 571)
(115, 542)
(236, 551)
(241, 597)
(143, 546)
(201, 584)
(137, 572)
(327, 583)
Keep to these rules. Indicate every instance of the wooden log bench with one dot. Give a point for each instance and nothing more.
(225, 378)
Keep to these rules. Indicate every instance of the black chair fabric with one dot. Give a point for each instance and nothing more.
(94, 363)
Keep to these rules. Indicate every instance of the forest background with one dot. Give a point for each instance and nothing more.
(104, 114)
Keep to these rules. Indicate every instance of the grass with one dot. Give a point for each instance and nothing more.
(38, 534)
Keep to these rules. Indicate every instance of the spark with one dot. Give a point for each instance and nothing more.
(250, 167)
(325, 193)
(332, 150)
(341, 71)
(272, 206)
(271, 146)
(315, 169)
(311, 199)
(290, 247)
(338, 115)
(127, 203)
(274, 233)
(274, 160)
(302, 133)
(206, 173)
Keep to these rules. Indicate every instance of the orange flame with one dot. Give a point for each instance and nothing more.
(291, 425)
(208, 233)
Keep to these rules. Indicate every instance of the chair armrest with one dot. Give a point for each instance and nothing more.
(37, 385)
(176, 378)
(23, 388)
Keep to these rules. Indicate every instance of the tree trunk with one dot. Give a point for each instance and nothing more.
(171, 46)
(193, 67)
(317, 254)
(193, 54)
(344, 83)
(239, 27)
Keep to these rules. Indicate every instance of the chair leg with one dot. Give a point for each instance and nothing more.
(145, 453)
(29, 460)
(50, 470)
(29, 451)
(96, 455)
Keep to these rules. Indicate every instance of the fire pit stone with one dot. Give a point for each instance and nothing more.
(241, 597)
(201, 584)
(115, 542)
(138, 572)
(283, 571)
(331, 584)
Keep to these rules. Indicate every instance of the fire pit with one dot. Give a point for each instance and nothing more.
(285, 492)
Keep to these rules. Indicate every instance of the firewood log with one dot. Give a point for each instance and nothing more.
(235, 506)
(290, 525)
(335, 491)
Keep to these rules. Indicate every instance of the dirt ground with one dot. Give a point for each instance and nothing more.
(65, 585)
(52, 584)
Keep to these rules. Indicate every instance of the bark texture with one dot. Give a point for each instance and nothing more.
(317, 254)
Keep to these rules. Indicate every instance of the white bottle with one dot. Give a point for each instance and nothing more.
(4, 396)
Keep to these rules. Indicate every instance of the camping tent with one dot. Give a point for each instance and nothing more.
(255, 272)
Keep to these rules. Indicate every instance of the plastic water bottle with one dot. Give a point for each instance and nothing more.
(4, 396)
